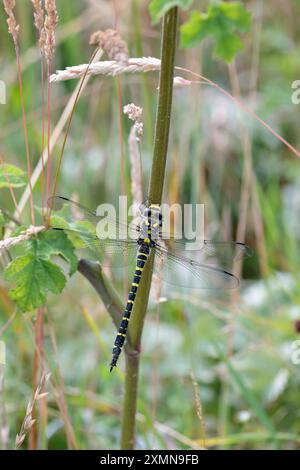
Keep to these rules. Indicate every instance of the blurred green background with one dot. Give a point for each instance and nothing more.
(215, 372)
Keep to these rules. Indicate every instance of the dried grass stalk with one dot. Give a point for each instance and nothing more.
(29, 233)
(4, 427)
(13, 27)
(180, 82)
(156, 280)
(51, 20)
(113, 68)
(109, 67)
(39, 21)
(28, 420)
(136, 169)
(112, 43)
(135, 113)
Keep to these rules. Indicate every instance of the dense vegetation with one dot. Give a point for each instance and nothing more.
(216, 371)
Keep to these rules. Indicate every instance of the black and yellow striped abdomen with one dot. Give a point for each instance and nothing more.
(142, 256)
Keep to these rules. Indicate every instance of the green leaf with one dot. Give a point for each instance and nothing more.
(56, 242)
(159, 8)
(34, 275)
(221, 22)
(12, 176)
(198, 27)
(78, 229)
(227, 47)
(236, 15)
(33, 278)
(58, 221)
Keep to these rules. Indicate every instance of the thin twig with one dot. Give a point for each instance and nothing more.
(29, 420)
(13, 28)
(82, 84)
(65, 116)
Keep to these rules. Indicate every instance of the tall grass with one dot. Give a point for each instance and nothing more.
(243, 389)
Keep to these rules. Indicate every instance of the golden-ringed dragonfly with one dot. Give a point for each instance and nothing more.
(105, 239)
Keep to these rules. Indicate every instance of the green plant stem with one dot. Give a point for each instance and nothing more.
(162, 125)
(92, 271)
(163, 115)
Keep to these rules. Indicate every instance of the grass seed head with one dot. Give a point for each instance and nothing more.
(112, 43)
(13, 27)
(51, 20)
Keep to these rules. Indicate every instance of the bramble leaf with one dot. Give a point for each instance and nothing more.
(34, 274)
(54, 242)
(228, 47)
(158, 8)
(222, 21)
(33, 278)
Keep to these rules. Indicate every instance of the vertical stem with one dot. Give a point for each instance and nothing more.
(168, 46)
(130, 400)
(163, 115)
(3, 414)
(24, 123)
(33, 436)
(147, 96)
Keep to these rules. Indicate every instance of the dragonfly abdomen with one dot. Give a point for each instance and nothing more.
(142, 256)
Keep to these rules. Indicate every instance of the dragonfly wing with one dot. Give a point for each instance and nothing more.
(185, 272)
(75, 214)
(113, 253)
(220, 254)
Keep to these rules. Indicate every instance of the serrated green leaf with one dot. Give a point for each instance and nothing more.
(221, 22)
(158, 8)
(198, 27)
(33, 278)
(56, 242)
(228, 47)
(78, 229)
(236, 14)
(12, 176)
(34, 274)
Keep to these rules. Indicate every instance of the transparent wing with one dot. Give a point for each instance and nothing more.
(70, 214)
(215, 253)
(186, 272)
(113, 253)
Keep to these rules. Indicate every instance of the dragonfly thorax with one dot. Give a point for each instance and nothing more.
(151, 224)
